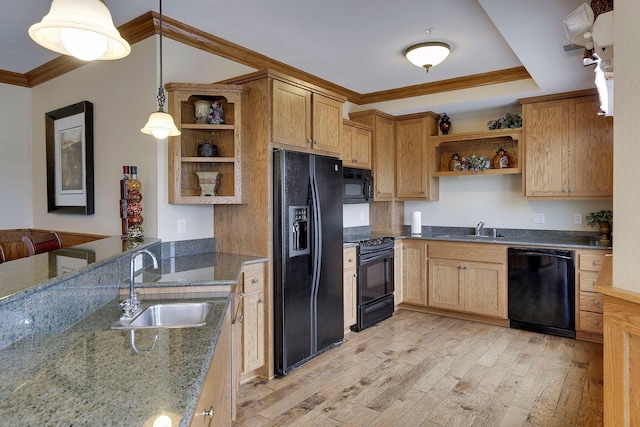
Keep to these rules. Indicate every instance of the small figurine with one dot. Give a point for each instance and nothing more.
(500, 160)
(445, 124)
(454, 162)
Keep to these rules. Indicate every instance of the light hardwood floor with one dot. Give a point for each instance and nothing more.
(418, 369)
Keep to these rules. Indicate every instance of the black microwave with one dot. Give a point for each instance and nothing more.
(357, 185)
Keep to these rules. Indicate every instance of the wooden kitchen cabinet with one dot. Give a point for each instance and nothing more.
(413, 161)
(589, 317)
(468, 277)
(215, 397)
(350, 281)
(252, 320)
(414, 271)
(397, 272)
(356, 145)
(304, 119)
(184, 161)
(383, 151)
(569, 148)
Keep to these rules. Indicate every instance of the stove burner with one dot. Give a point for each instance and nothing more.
(376, 241)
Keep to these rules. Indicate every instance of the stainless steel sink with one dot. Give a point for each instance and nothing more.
(174, 315)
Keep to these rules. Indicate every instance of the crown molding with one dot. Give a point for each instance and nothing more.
(148, 24)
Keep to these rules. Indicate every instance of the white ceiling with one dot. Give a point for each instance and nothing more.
(359, 44)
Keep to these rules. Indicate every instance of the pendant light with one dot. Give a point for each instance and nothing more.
(427, 54)
(160, 124)
(80, 28)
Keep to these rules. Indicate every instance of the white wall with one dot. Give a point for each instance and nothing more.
(123, 94)
(15, 158)
(626, 174)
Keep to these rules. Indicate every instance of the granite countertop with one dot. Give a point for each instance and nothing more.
(512, 237)
(90, 375)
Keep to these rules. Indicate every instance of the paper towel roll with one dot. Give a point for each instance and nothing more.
(416, 223)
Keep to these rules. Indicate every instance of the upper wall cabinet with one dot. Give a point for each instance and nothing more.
(187, 154)
(356, 145)
(569, 147)
(383, 151)
(413, 160)
(304, 119)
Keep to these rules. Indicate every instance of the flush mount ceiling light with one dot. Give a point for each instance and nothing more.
(160, 124)
(80, 28)
(427, 54)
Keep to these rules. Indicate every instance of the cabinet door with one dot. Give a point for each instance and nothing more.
(361, 148)
(414, 269)
(291, 115)
(397, 272)
(485, 289)
(384, 157)
(253, 332)
(445, 284)
(591, 156)
(347, 143)
(327, 124)
(350, 297)
(546, 131)
(411, 160)
(216, 390)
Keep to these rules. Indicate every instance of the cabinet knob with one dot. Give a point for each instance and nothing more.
(596, 302)
(240, 319)
(596, 263)
(355, 274)
(308, 140)
(423, 192)
(378, 192)
(571, 190)
(564, 190)
(207, 412)
(255, 280)
(350, 260)
(596, 322)
(315, 142)
(261, 300)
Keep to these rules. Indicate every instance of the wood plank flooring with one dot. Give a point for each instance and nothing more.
(417, 369)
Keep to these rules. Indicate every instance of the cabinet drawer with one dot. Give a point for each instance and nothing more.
(469, 252)
(253, 278)
(591, 261)
(588, 280)
(349, 255)
(591, 322)
(591, 301)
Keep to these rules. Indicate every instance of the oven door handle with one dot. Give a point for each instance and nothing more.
(369, 258)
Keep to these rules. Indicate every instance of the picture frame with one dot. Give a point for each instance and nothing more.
(64, 261)
(69, 149)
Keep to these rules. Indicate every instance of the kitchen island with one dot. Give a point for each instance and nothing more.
(62, 364)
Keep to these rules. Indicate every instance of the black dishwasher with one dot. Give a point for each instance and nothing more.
(542, 291)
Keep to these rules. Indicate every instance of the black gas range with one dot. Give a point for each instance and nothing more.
(375, 279)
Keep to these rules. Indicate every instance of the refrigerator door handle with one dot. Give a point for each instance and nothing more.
(317, 253)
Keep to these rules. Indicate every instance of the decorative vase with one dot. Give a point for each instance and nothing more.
(445, 124)
(605, 229)
(207, 149)
(202, 111)
(208, 182)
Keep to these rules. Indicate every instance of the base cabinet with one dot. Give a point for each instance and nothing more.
(213, 407)
(252, 320)
(414, 272)
(589, 303)
(350, 282)
(471, 278)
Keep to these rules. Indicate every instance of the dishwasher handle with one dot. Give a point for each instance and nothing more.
(541, 252)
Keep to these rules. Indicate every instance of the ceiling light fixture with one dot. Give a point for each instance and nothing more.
(83, 29)
(160, 124)
(428, 54)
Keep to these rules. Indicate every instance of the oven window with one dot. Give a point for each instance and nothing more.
(376, 280)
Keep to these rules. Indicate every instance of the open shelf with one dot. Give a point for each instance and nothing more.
(483, 143)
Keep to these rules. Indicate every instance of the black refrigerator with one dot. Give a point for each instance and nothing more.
(308, 294)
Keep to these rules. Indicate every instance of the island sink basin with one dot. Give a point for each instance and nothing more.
(174, 315)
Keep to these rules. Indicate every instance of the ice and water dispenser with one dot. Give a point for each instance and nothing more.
(299, 236)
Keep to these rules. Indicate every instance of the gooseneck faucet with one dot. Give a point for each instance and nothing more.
(131, 306)
(479, 228)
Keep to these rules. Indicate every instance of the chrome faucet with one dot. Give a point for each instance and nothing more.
(479, 228)
(131, 306)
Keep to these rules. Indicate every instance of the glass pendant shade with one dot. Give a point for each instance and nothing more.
(80, 28)
(428, 54)
(160, 125)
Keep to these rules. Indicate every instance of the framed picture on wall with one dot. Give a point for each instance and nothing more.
(69, 135)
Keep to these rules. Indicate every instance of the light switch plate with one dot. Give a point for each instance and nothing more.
(577, 219)
(182, 226)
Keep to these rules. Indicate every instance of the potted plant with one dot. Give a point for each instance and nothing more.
(604, 219)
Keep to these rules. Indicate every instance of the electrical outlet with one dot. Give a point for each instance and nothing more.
(577, 219)
(182, 226)
(538, 218)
